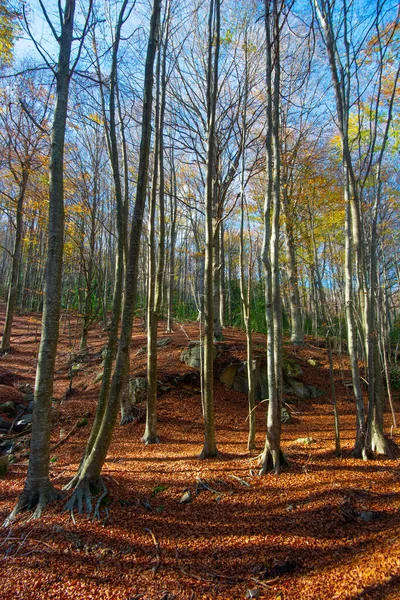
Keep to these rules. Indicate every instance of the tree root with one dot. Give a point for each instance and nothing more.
(272, 462)
(35, 497)
(83, 496)
(134, 415)
(150, 439)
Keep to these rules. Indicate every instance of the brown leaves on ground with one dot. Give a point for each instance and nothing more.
(327, 528)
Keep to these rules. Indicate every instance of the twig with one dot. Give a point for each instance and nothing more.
(202, 484)
(157, 547)
(64, 439)
(242, 481)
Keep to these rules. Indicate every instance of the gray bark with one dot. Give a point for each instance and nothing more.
(38, 490)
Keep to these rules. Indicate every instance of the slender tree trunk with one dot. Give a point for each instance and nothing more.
(15, 268)
(93, 463)
(272, 456)
(38, 490)
(210, 448)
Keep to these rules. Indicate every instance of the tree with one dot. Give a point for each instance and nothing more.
(92, 463)
(38, 490)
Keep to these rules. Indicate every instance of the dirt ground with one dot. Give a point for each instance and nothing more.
(326, 528)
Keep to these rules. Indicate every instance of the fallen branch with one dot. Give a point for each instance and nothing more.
(157, 547)
(64, 439)
(242, 481)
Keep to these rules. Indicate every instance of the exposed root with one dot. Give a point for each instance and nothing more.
(150, 439)
(135, 415)
(82, 498)
(96, 512)
(272, 461)
(36, 497)
(381, 444)
(74, 481)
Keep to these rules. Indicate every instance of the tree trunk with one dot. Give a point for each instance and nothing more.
(210, 448)
(38, 490)
(15, 268)
(90, 472)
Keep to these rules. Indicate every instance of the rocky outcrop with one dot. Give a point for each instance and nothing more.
(192, 355)
(235, 376)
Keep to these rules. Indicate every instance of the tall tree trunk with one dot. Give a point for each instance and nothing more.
(38, 490)
(15, 268)
(90, 472)
(210, 448)
(272, 456)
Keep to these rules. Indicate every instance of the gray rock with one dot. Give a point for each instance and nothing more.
(23, 423)
(306, 440)
(5, 424)
(253, 593)
(98, 377)
(235, 377)
(291, 367)
(134, 393)
(191, 356)
(299, 389)
(8, 408)
(315, 392)
(369, 515)
(138, 389)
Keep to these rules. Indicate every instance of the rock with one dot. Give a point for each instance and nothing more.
(8, 408)
(369, 515)
(5, 424)
(313, 362)
(228, 375)
(306, 440)
(288, 566)
(138, 389)
(299, 389)
(4, 462)
(285, 415)
(191, 356)
(235, 377)
(98, 377)
(23, 423)
(253, 593)
(134, 393)
(315, 392)
(291, 368)
(160, 344)
(186, 497)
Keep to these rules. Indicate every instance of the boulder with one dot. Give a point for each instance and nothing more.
(291, 368)
(5, 424)
(191, 356)
(8, 408)
(23, 423)
(315, 392)
(134, 393)
(235, 377)
(299, 389)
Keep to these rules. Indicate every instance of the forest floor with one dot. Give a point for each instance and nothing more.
(326, 528)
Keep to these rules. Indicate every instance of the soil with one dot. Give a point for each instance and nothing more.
(326, 528)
